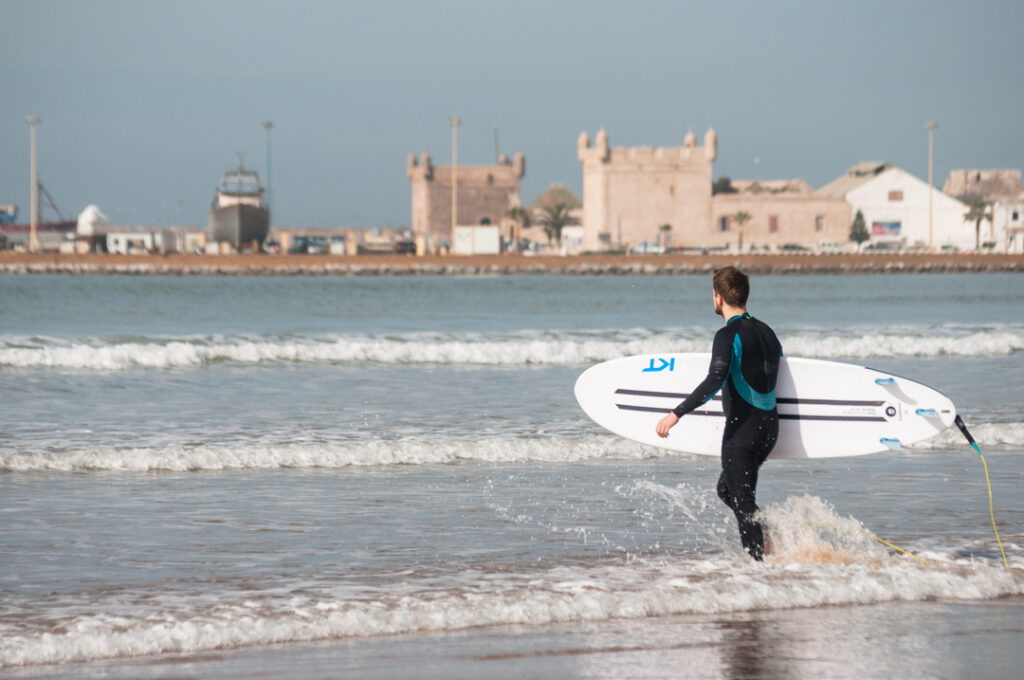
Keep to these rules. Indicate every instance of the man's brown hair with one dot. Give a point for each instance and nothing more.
(733, 285)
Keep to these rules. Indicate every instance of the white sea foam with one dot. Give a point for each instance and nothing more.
(495, 349)
(115, 628)
(327, 455)
(996, 343)
(985, 434)
(371, 453)
(519, 349)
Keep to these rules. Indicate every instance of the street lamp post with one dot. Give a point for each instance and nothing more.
(931, 129)
(455, 122)
(266, 126)
(34, 186)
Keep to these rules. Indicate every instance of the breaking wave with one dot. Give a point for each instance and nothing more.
(330, 456)
(487, 349)
(986, 434)
(373, 453)
(815, 568)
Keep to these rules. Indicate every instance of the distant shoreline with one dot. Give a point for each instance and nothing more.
(489, 265)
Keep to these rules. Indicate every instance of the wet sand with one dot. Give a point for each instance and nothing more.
(340, 265)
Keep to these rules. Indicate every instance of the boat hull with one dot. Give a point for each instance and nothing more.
(240, 225)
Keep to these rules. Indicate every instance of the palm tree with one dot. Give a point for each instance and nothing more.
(519, 214)
(977, 211)
(521, 217)
(553, 218)
(740, 218)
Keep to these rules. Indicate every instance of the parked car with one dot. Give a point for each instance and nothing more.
(881, 247)
(646, 249)
(831, 247)
(793, 248)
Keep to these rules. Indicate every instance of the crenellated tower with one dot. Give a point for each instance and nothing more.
(485, 193)
(630, 193)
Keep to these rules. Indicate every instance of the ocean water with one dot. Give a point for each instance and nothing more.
(389, 478)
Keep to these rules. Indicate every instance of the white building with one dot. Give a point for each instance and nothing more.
(473, 240)
(1004, 192)
(140, 241)
(1008, 220)
(187, 240)
(895, 208)
(91, 222)
(129, 243)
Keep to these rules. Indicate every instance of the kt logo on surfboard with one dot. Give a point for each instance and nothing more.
(669, 364)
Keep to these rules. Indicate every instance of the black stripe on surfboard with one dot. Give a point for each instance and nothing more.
(847, 419)
(782, 416)
(656, 409)
(780, 400)
(828, 402)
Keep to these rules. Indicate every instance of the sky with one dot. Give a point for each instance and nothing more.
(145, 104)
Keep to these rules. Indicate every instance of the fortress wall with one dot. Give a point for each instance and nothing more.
(641, 198)
(986, 183)
(665, 157)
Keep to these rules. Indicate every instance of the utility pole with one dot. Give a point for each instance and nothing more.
(455, 122)
(34, 179)
(931, 129)
(266, 126)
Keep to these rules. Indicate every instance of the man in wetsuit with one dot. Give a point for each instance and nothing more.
(745, 362)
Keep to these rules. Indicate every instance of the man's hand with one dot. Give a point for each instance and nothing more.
(666, 424)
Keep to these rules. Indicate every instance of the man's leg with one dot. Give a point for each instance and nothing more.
(723, 490)
(736, 488)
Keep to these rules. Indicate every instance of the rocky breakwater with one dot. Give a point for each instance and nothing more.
(583, 265)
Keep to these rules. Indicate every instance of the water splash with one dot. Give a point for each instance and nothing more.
(808, 530)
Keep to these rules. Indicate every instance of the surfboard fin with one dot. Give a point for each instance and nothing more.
(885, 381)
(927, 413)
(892, 444)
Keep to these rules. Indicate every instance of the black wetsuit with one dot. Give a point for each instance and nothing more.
(745, 362)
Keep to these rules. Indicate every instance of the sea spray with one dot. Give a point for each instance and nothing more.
(693, 503)
(808, 530)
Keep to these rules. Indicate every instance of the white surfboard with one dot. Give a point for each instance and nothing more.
(826, 408)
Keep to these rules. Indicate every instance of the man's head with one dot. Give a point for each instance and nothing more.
(730, 286)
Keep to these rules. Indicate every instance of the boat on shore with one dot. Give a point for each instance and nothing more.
(49, 235)
(8, 213)
(239, 214)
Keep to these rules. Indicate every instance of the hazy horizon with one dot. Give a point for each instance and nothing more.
(144, 105)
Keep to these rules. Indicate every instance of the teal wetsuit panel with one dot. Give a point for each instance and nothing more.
(761, 400)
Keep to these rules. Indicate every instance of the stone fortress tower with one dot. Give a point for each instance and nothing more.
(629, 193)
(485, 194)
(1004, 192)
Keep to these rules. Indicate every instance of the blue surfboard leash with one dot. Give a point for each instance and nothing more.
(959, 422)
